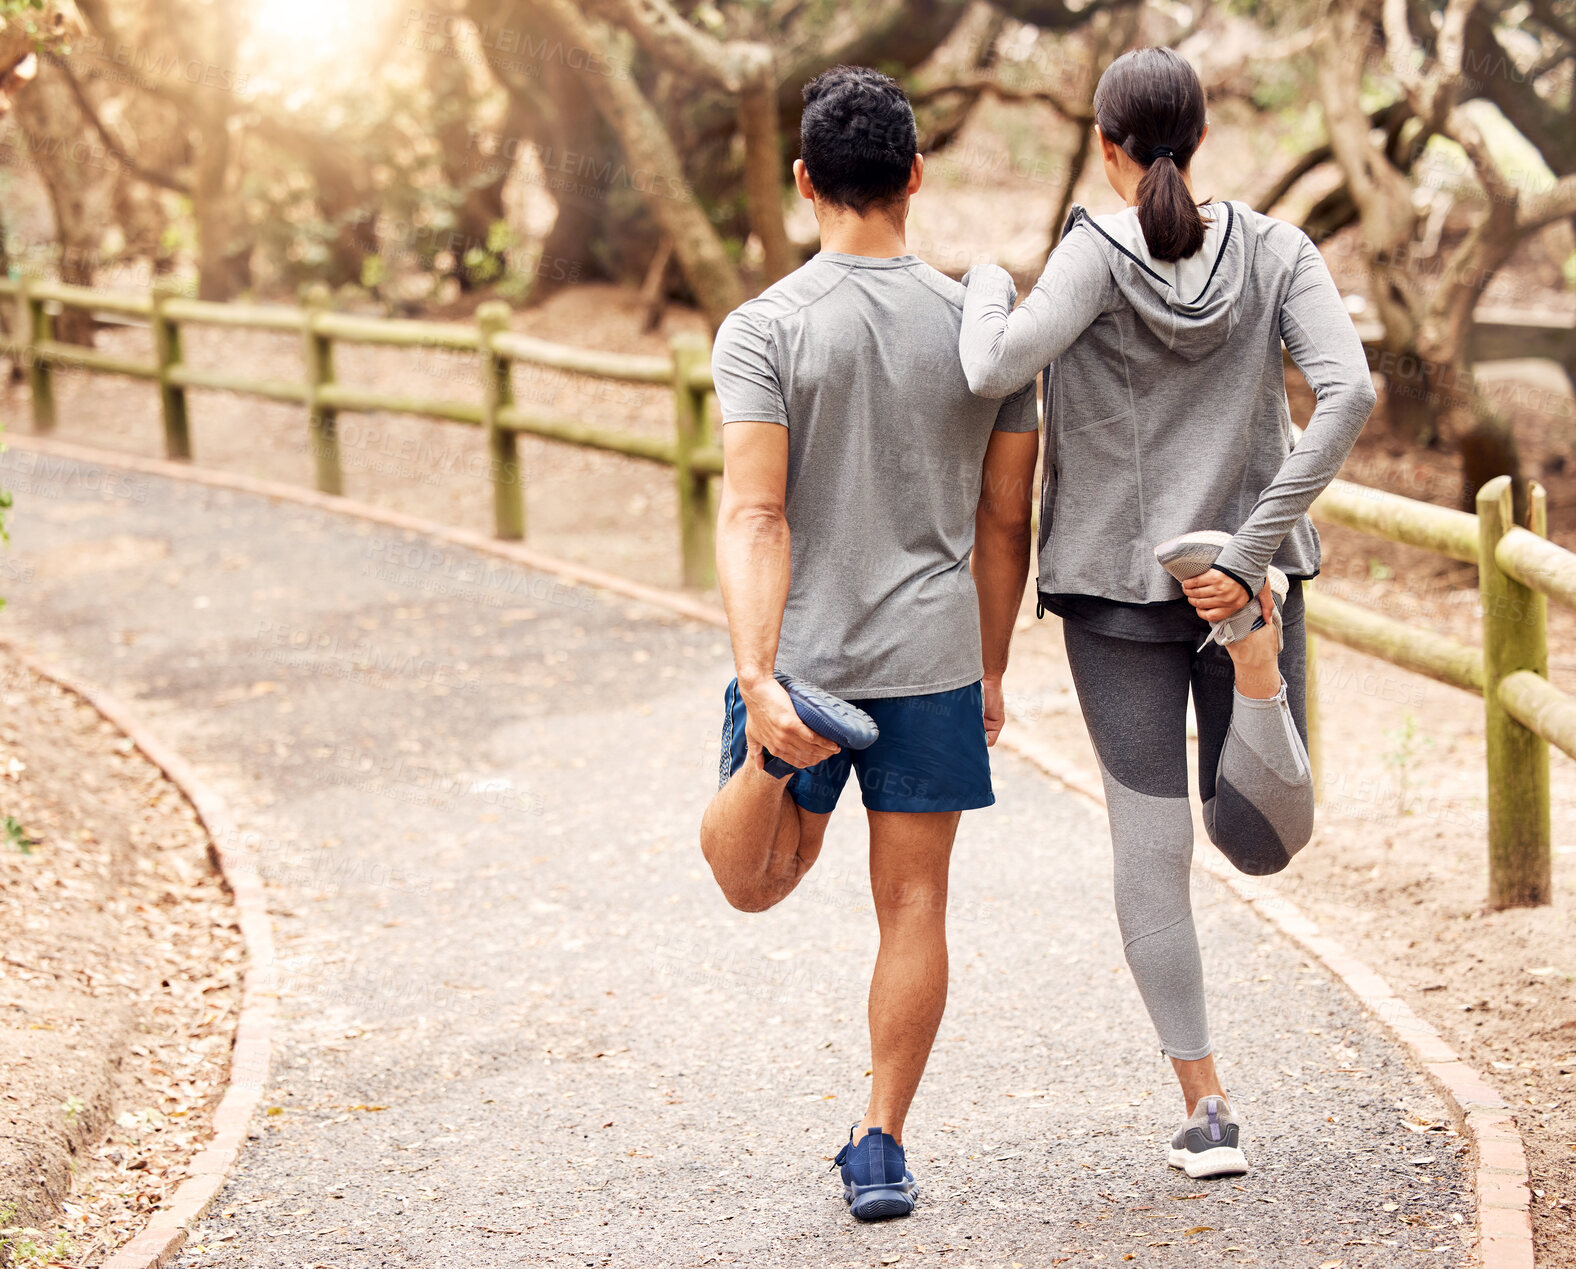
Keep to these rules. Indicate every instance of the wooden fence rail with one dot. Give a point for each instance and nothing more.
(1518, 568)
(692, 451)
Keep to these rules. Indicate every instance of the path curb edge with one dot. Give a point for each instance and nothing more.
(166, 1231)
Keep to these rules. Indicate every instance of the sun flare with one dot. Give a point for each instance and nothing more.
(298, 49)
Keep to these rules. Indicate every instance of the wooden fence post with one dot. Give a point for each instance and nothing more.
(692, 431)
(503, 447)
(318, 354)
(167, 354)
(36, 326)
(1514, 638)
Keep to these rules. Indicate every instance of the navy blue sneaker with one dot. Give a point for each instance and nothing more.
(877, 1184)
(825, 715)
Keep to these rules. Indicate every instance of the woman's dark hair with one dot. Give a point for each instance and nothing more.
(1150, 103)
(857, 137)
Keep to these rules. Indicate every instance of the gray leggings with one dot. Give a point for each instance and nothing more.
(1254, 778)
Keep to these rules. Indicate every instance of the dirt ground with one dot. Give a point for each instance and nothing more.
(119, 979)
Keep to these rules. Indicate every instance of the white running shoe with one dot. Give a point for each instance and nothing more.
(1194, 553)
(1210, 1143)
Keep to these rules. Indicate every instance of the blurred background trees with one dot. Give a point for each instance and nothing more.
(423, 156)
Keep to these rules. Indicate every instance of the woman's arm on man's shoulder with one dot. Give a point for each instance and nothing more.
(1001, 348)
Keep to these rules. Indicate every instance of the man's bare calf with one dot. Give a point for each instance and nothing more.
(757, 839)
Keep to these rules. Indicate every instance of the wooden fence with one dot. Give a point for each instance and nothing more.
(692, 452)
(1518, 568)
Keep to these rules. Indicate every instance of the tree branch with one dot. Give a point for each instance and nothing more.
(1382, 195)
(1316, 157)
(983, 85)
(97, 14)
(1543, 11)
(142, 172)
(1433, 95)
(1054, 15)
(1460, 128)
(1544, 208)
(672, 40)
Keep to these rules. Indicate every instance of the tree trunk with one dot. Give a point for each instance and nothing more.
(79, 190)
(1413, 405)
(700, 251)
(479, 259)
(223, 260)
(1488, 449)
(224, 266)
(581, 243)
(763, 174)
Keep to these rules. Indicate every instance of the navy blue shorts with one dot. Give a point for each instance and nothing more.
(931, 755)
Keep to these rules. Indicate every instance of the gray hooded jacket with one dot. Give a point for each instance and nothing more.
(1166, 396)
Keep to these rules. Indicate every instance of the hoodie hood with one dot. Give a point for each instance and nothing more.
(1193, 305)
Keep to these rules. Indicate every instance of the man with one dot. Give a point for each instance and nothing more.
(862, 479)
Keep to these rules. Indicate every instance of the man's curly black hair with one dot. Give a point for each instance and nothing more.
(857, 137)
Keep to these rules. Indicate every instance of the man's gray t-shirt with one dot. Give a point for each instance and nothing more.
(857, 357)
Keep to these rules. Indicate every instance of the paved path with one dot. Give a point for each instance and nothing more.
(518, 1025)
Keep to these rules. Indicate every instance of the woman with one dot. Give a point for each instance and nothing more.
(1168, 460)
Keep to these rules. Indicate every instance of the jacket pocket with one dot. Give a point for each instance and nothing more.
(1099, 516)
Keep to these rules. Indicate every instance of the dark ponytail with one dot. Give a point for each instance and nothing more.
(1150, 103)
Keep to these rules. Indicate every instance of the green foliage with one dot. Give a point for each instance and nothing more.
(1406, 745)
(16, 836)
(1569, 270)
(22, 1248)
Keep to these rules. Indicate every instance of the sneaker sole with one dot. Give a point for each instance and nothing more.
(879, 1205)
(829, 715)
(1221, 1161)
(1192, 553)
